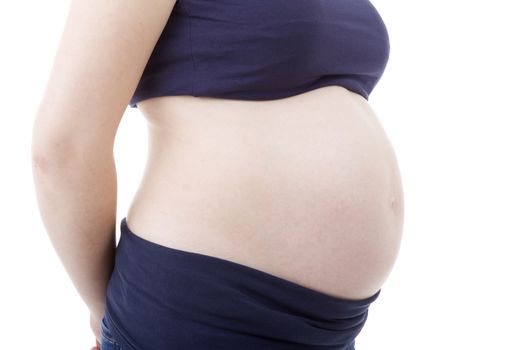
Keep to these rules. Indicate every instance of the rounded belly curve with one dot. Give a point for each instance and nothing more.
(306, 188)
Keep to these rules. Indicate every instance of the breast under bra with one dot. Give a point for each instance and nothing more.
(266, 49)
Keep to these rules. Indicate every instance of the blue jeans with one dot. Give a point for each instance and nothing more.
(107, 340)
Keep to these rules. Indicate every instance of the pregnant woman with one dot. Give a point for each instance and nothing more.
(270, 210)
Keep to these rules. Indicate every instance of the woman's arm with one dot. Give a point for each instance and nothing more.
(101, 56)
(77, 201)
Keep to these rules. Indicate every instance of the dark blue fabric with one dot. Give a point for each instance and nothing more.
(161, 298)
(262, 50)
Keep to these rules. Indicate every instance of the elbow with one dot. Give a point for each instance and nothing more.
(50, 155)
(48, 147)
(64, 157)
(53, 152)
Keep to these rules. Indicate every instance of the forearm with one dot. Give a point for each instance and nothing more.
(77, 197)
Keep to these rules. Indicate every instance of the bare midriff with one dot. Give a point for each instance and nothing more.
(306, 188)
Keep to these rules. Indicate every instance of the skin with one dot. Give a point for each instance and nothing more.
(306, 188)
(314, 192)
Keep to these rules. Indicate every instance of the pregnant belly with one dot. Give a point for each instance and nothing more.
(305, 188)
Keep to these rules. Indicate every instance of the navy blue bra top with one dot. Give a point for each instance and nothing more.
(266, 49)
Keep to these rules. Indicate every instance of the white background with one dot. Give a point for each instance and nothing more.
(451, 102)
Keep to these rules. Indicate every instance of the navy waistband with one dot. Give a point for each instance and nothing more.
(168, 298)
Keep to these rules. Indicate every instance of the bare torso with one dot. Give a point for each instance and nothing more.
(306, 188)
